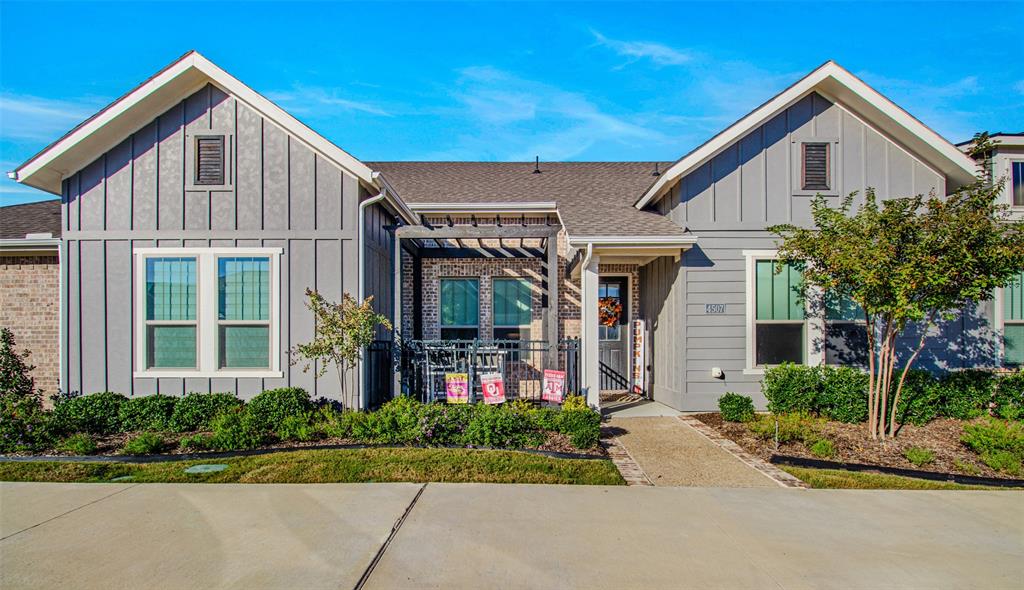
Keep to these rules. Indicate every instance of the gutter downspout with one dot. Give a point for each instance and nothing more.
(360, 290)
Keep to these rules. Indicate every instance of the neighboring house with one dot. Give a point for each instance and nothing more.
(196, 213)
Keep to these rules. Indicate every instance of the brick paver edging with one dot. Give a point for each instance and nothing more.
(772, 472)
(624, 462)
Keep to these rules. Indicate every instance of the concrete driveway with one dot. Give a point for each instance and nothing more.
(495, 536)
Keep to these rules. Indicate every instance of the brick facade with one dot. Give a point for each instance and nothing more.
(30, 307)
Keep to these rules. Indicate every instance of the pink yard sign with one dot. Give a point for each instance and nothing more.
(456, 385)
(494, 388)
(554, 386)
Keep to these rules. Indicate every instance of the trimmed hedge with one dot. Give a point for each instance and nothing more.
(99, 413)
(270, 408)
(196, 411)
(736, 408)
(146, 412)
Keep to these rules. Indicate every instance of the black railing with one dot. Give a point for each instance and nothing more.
(521, 363)
(612, 379)
(380, 376)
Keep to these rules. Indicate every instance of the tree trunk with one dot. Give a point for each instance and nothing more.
(906, 369)
(871, 374)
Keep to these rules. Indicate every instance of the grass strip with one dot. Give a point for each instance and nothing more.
(837, 479)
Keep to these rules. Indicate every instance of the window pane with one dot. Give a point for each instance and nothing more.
(1018, 183)
(778, 295)
(843, 309)
(245, 346)
(609, 332)
(458, 333)
(170, 289)
(1013, 344)
(846, 344)
(243, 288)
(512, 302)
(779, 343)
(459, 302)
(1013, 299)
(519, 333)
(172, 347)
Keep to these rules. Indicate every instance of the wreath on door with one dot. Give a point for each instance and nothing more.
(609, 310)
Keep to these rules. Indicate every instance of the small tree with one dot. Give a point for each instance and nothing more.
(15, 372)
(909, 260)
(343, 330)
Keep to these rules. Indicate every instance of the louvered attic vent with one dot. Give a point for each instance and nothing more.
(816, 174)
(210, 160)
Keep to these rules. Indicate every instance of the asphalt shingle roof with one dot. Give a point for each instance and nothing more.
(593, 198)
(30, 218)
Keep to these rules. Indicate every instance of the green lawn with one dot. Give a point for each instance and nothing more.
(857, 480)
(339, 466)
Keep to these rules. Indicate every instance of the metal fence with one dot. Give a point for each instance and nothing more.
(521, 363)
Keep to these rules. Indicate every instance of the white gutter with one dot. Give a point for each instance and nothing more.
(590, 254)
(393, 198)
(667, 241)
(29, 244)
(360, 290)
(492, 207)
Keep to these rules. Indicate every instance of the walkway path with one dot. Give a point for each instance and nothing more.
(672, 453)
(173, 536)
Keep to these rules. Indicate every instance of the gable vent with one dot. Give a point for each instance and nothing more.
(210, 160)
(816, 175)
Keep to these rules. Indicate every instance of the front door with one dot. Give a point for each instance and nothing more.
(613, 331)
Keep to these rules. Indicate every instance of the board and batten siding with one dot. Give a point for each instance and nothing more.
(282, 194)
(728, 203)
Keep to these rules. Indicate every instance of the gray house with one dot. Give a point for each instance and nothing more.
(195, 213)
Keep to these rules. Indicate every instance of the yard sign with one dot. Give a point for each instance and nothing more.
(554, 386)
(456, 385)
(494, 388)
(639, 356)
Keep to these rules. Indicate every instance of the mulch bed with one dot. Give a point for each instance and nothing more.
(853, 445)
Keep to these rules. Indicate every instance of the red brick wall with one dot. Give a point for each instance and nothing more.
(30, 307)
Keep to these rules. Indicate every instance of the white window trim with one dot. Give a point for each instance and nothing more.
(206, 313)
(814, 325)
(999, 319)
(1010, 161)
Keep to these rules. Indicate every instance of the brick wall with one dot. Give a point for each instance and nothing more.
(30, 307)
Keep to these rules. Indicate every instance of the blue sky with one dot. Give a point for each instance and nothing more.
(492, 81)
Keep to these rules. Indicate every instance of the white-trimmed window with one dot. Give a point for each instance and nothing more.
(1017, 183)
(460, 309)
(1011, 314)
(511, 308)
(207, 312)
(779, 327)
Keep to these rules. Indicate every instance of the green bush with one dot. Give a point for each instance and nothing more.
(793, 427)
(736, 408)
(77, 444)
(1009, 396)
(196, 411)
(147, 443)
(791, 388)
(574, 402)
(444, 424)
(98, 413)
(999, 443)
(235, 431)
(822, 448)
(583, 427)
(147, 412)
(919, 456)
(495, 426)
(545, 418)
(966, 394)
(195, 442)
(298, 428)
(921, 398)
(269, 408)
(843, 395)
(24, 426)
(396, 422)
(1003, 461)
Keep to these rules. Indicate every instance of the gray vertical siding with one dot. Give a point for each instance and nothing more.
(135, 195)
(728, 202)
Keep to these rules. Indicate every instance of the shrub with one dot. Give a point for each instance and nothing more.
(736, 408)
(195, 442)
(397, 421)
(966, 394)
(24, 426)
(822, 448)
(793, 427)
(146, 443)
(843, 395)
(297, 428)
(1009, 396)
(921, 399)
(444, 424)
(1003, 461)
(583, 427)
(495, 426)
(147, 412)
(574, 402)
(545, 418)
(77, 444)
(98, 413)
(919, 456)
(196, 411)
(791, 388)
(994, 435)
(235, 431)
(966, 467)
(269, 408)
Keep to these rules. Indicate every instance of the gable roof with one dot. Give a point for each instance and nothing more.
(838, 85)
(592, 198)
(129, 113)
(17, 221)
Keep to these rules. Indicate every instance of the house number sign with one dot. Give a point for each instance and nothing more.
(714, 308)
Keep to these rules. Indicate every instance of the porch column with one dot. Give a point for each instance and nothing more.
(590, 374)
(396, 329)
(551, 313)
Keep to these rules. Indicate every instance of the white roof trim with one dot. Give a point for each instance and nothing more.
(517, 207)
(853, 92)
(131, 112)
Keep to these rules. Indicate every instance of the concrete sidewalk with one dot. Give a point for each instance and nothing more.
(504, 536)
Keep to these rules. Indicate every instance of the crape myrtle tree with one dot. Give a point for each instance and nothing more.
(905, 261)
(343, 330)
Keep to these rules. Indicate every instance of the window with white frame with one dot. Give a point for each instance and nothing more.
(512, 308)
(779, 327)
(1017, 183)
(1013, 322)
(208, 312)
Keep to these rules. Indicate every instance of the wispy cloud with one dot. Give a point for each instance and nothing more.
(317, 101)
(33, 118)
(1019, 86)
(938, 103)
(657, 53)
